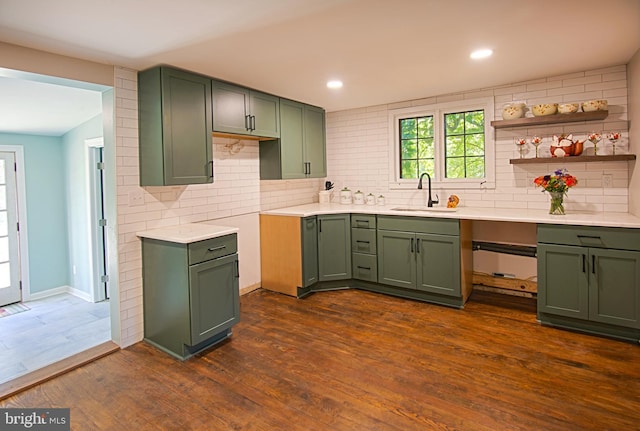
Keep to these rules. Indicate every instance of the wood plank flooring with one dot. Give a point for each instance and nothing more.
(354, 360)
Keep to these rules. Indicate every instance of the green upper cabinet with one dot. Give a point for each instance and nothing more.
(241, 111)
(174, 115)
(300, 152)
(334, 247)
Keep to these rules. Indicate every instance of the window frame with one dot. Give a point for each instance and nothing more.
(438, 110)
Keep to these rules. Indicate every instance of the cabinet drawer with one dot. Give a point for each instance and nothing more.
(364, 267)
(420, 224)
(590, 236)
(363, 240)
(212, 248)
(366, 221)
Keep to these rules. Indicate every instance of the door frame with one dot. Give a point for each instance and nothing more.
(21, 193)
(95, 206)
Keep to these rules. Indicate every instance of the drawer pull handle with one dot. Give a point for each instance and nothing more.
(365, 222)
(368, 268)
(364, 242)
(588, 236)
(216, 248)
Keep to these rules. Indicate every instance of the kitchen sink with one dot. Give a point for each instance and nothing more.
(425, 209)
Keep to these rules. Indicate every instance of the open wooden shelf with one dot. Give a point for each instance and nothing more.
(575, 159)
(550, 119)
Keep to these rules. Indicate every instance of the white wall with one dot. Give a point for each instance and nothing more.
(633, 78)
(358, 146)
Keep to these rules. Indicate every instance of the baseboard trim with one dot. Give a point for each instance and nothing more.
(60, 290)
(56, 369)
(250, 288)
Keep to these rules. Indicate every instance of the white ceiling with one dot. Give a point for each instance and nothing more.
(384, 50)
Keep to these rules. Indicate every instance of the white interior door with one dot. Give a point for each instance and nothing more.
(10, 291)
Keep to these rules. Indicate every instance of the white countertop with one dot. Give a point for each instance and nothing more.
(187, 233)
(489, 214)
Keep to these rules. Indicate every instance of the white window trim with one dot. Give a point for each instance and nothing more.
(438, 110)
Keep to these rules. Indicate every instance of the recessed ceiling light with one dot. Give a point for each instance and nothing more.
(481, 53)
(334, 84)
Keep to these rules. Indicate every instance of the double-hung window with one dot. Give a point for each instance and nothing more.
(452, 142)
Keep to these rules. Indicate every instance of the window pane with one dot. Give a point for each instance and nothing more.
(409, 169)
(425, 148)
(475, 167)
(455, 146)
(425, 127)
(474, 122)
(454, 124)
(474, 145)
(464, 144)
(455, 168)
(4, 249)
(5, 275)
(427, 166)
(3, 224)
(408, 128)
(409, 149)
(416, 144)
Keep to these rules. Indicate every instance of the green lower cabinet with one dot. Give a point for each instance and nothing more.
(364, 267)
(334, 247)
(214, 297)
(191, 293)
(614, 287)
(563, 284)
(396, 258)
(438, 264)
(427, 262)
(309, 233)
(597, 287)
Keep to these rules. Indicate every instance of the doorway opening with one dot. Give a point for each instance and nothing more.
(60, 265)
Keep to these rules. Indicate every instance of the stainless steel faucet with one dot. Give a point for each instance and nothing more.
(430, 201)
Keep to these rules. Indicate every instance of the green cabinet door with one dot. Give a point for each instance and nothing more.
(214, 297)
(563, 287)
(614, 287)
(438, 263)
(292, 163)
(314, 142)
(241, 111)
(301, 150)
(265, 115)
(174, 127)
(309, 231)
(334, 247)
(396, 258)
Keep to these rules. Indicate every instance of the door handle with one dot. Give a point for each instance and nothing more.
(253, 122)
(412, 245)
(237, 268)
(584, 263)
(211, 162)
(593, 264)
(319, 225)
(418, 245)
(309, 170)
(247, 122)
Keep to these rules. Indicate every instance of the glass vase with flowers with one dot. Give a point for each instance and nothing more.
(557, 185)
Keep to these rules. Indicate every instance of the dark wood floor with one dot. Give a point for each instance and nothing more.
(353, 360)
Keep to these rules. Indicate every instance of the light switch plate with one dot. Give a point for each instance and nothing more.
(607, 180)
